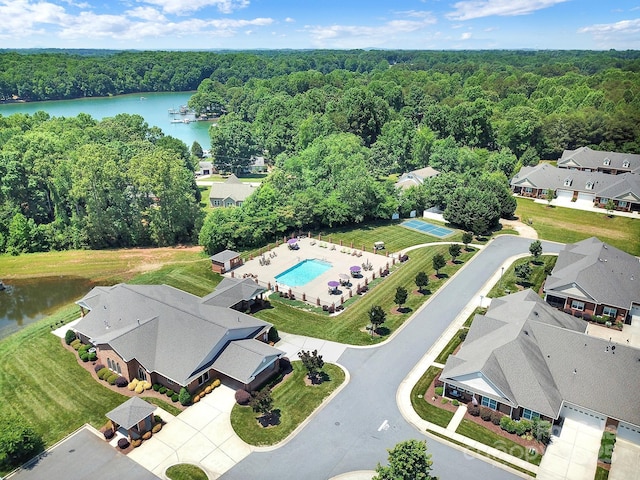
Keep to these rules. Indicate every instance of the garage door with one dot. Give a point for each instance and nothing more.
(635, 310)
(585, 199)
(564, 196)
(629, 432)
(583, 415)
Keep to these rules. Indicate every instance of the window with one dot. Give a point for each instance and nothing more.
(109, 364)
(118, 368)
(203, 378)
(141, 374)
(576, 305)
(622, 204)
(603, 200)
(489, 402)
(528, 189)
(589, 185)
(606, 162)
(610, 311)
(529, 414)
(216, 203)
(567, 182)
(625, 164)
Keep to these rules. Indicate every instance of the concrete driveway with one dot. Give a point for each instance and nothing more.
(625, 461)
(201, 435)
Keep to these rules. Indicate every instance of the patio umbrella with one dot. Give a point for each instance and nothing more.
(354, 269)
(292, 241)
(343, 276)
(333, 284)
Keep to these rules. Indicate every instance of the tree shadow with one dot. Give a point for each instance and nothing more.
(382, 331)
(270, 419)
(524, 284)
(440, 276)
(404, 309)
(424, 291)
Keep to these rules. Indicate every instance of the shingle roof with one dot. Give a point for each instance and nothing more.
(245, 359)
(626, 187)
(588, 158)
(416, 177)
(545, 176)
(600, 272)
(231, 188)
(224, 256)
(167, 330)
(231, 291)
(530, 351)
(131, 412)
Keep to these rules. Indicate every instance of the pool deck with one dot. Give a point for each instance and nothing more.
(341, 258)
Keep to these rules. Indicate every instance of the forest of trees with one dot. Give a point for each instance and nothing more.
(338, 126)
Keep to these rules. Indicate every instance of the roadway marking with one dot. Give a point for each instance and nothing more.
(384, 426)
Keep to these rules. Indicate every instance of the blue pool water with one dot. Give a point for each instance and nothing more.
(302, 273)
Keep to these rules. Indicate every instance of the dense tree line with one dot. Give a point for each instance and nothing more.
(80, 183)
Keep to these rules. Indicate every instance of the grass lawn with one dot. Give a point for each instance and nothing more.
(44, 385)
(452, 345)
(483, 435)
(601, 474)
(422, 407)
(185, 471)
(567, 225)
(293, 400)
(348, 326)
(538, 276)
(166, 406)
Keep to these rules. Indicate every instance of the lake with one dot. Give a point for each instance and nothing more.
(153, 107)
(25, 301)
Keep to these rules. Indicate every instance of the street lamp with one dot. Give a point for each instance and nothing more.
(481, 298)
(501, 275)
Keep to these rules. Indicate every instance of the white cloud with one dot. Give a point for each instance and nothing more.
(622, 34)
(469, 9)
(465, 36)
(181, 7)
(147, 13)
(21, 18)
(289, 20)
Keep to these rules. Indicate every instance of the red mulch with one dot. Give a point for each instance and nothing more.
(429, 397)
(89, 367)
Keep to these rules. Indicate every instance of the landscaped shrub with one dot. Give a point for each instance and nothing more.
(98, 367)
(121, 382)
(439, 391)
(474, 410)
(541, 430)
(70, 336)
(136, 443)
(216, 383)
(437, 382)
(146, 385)
(112, 378)
(84, 357)
(162, 390)
(175, 397)
(485, 413)
(102, 372)
(146, 435)
(184, 397)
(208, 389)
(455, 403)
(242, 397)
(157, 419)
(504, 422)
(523, 426)
(273, 336)
(83, 348)
(195, 399)
(496, 417)
(132, 385)
(76, 344)
(139, 388)
(123, 443)
(170, 393)
(285, 364)
(92, 356)
(108, 434)
(156, 387)
(157, 427)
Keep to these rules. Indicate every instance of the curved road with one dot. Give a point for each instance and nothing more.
(345, 435)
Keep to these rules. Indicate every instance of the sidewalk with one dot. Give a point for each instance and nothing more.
(403, 395)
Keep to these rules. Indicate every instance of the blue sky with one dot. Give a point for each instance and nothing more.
(340, 24)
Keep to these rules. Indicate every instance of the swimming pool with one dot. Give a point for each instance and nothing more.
(303, 272)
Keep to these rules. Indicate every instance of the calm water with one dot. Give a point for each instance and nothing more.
(303, 272)
(26, 301)
(153, 107)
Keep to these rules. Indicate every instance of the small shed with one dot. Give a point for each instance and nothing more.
(135, 416)
(224, 261)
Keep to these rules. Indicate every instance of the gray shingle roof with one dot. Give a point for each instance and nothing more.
(416, 177)
(601, 272)
(545, 176)
(231, 291)
(530, 351)
(231, 188)
(224, 256)
(245, 359)
(588, 158)
(131, 412)
(167, 330)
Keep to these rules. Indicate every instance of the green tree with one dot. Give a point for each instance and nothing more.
(232, 144)
(18, 442)
(184, 397)
(522, 272)
(401, 296)
(467, 237)
(610, 206)
(196, 150)
(262, 402)
(473, 209)
(454, 251)
(377, 317)
(20, 234)
(438, 262)
(313, 363)
(549, 194)
(408, 460)
(421, 281)
(536, 249)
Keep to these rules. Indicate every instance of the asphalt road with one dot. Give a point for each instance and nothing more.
(346, 435)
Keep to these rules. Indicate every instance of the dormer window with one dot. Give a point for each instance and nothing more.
(606, 162)
(625, 164)
(568, 182)
(589, 185)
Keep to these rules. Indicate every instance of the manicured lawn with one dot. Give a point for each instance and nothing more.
(483, 435)
(451, 346)
(422, 407)
(43, 383)
(567, 225)
(185, 471)
(538, 276)
(348, 326)
(195, 277)
(166, 406)
(293, 400)
(601, 474)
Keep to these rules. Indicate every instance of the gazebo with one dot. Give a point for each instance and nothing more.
(135, 416)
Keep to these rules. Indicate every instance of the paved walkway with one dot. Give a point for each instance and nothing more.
(291, 344)
(457, 418)
(559, 202)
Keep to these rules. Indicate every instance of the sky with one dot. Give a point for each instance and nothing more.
(332, 24)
